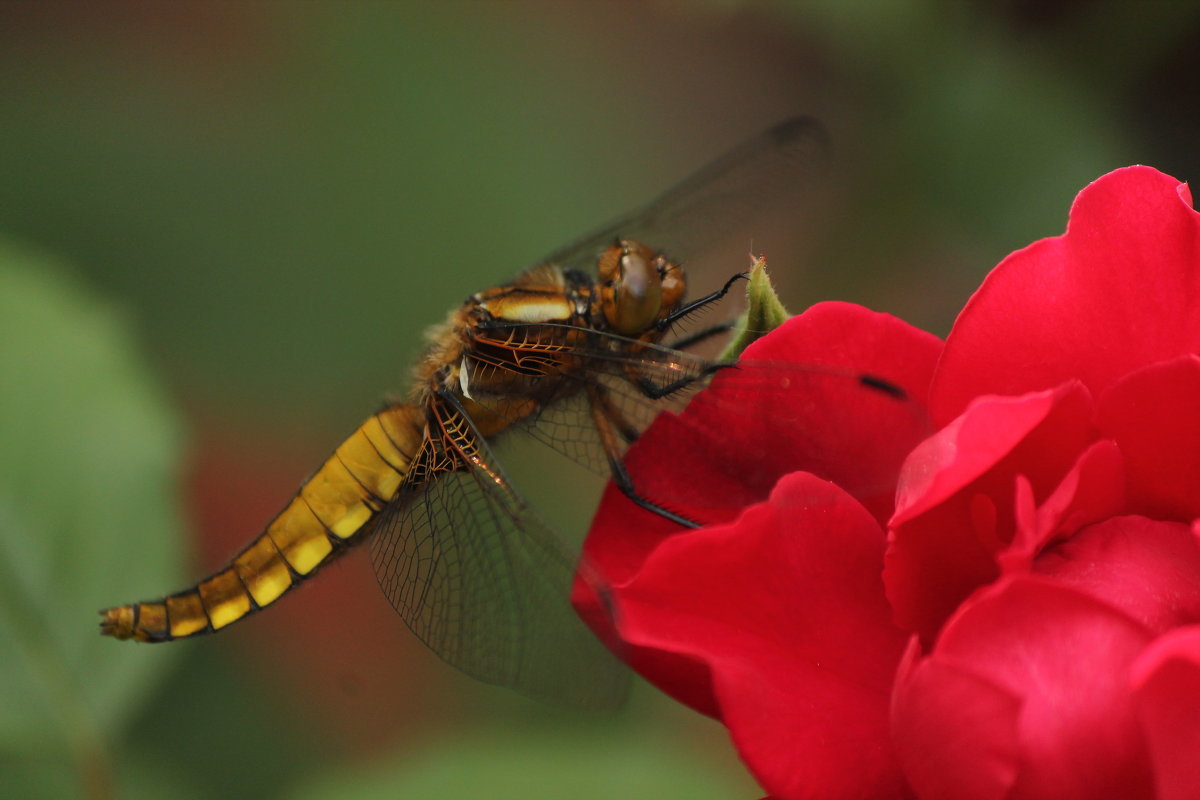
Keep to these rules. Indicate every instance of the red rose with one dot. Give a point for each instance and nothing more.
(1025, 621)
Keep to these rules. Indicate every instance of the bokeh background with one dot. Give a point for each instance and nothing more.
(223, 228)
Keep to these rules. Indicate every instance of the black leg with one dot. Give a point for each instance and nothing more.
(700, 336)
(655, 392)
(695, 305)
(625, 484)
(609, 424)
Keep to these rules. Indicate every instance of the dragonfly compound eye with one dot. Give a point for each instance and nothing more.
(636, 292)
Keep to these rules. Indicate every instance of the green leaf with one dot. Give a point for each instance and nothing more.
(764, 312)
(88, 513)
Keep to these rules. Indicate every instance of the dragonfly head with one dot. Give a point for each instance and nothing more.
(638, 286)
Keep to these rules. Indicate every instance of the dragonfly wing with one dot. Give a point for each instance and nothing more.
(569, 427)
(814, 406)
(486, 585)
(725, 194)
(627, 381)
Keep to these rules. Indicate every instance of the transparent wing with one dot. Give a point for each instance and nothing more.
(717, 199)
(568, 426)
(632, 380)
(810, 408)
(486, 585)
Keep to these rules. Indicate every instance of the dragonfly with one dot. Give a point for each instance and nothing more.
(573, 352)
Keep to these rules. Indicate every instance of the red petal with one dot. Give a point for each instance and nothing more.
(1152, 415)
(955, 733)
(1066, 658)
(1166, 683)
(955, 506)
(1118, 291)
(1147, 569)
(786, 608)
(1093, 490)
(835, 427)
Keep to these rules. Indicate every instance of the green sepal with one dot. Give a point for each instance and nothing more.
(764, 312)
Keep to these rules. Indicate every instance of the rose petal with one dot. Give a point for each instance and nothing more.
(1152, 415)
(955, 733)
(1166, 681)
(1093, 490)
(955, 502)
(1147, 569)
(1066, 658)
(1027, 538)
(786, 609)
(1118, 291)
(835, 427)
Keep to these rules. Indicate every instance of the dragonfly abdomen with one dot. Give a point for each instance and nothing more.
(332, 510)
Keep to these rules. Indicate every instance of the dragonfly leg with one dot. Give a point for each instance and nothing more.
(625, 484)
(656, 391)
(610, 423)
(700, 336)
(609, 419)
(699, 303)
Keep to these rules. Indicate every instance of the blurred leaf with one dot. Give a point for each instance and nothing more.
(218, 707)
(36, 779)
(88, 511)
(44, 778)
(532, 766)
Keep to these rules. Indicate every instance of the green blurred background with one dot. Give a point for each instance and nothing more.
(223, 228)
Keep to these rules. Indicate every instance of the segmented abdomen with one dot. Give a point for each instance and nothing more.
(331, 511)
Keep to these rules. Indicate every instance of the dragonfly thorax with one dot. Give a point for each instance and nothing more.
(511, 349)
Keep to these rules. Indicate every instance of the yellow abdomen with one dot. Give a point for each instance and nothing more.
(331, 511)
